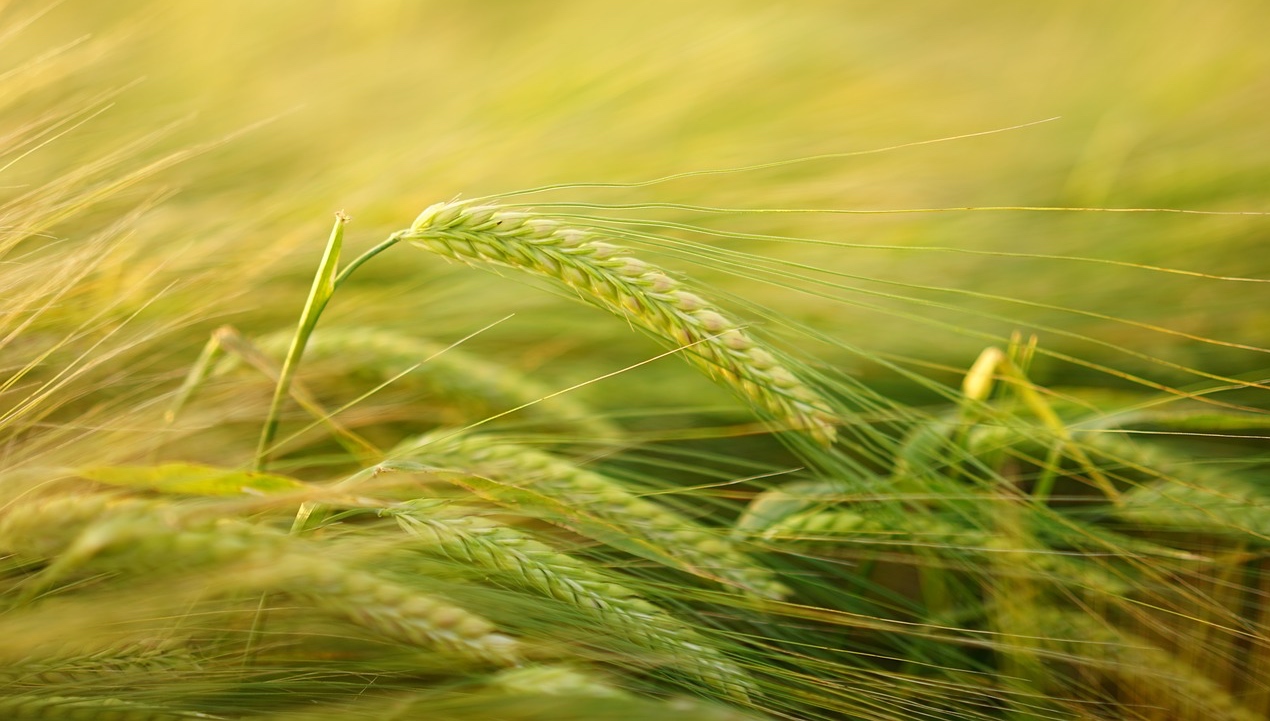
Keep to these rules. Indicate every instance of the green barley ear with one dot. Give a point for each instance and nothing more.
(1166, 681)
(594, 505)
(528, 563)
(73, 708)
(553, 681)
(607, 276)
(774, 505)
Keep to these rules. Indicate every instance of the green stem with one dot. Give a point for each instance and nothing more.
(1049, 474)
(357, 262)
(1035, 403)
(325, 281)
(202, 366)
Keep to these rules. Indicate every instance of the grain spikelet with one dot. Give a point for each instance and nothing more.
(112, 666)
(820, 525)
(72, 708)
(43, 527)
(1167, 681)
(394, 610)
(773, 505)
(674, 537)
(607, 276)
(553, 681)
(134, 536)
(486, 544)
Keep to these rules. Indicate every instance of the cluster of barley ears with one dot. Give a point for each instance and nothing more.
(468, 564)
(1015, 552)
(471, 567)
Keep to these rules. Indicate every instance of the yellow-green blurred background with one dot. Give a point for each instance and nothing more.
(383, 107)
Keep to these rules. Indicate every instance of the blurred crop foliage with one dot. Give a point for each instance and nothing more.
(167, 169)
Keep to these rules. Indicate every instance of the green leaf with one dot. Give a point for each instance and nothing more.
(192, 479)
(319, 294)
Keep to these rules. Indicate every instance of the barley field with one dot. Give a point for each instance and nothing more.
(564, 359)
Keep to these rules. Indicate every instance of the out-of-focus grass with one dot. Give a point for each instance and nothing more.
(384, 107)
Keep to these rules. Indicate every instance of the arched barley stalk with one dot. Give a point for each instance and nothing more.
(607, 276)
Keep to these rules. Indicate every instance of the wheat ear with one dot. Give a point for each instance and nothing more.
(598, 506)
(394, 610)
(487, 544)
(1171, 683)
(607, 276)
(847, 530)
(776, 504)
(74, 708)
(553, 681)
(139, 535)
(115, 665)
